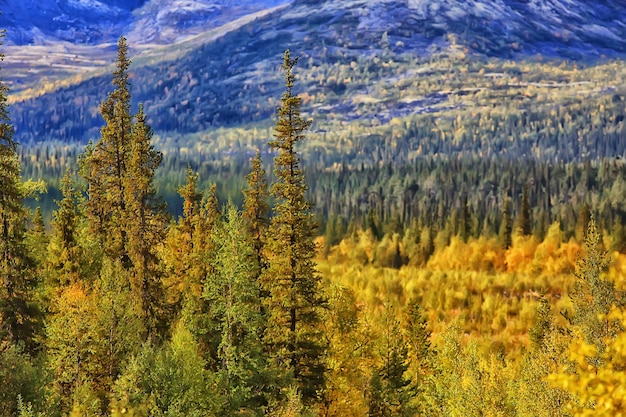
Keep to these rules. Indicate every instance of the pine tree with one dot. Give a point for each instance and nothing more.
(104, 165)
(506, 225)
(232, 295)
(144, 221)
(524, 221)
(293, 337)
(122, 208)
(64, 248)
(18, 315)
(255, 207)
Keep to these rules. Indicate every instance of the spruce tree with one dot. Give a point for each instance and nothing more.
(191, 202)
(144, 221)
(104, 164)
(524, 221)
(293, 336)
(17, 311)
(255, 207)
(64, 248)
(594, 294)
(122, 208)
(232, 295)
(506, 225)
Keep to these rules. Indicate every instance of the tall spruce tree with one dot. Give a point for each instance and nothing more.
(17, 311)
(104, 164)
(145, 221)
(293, 336)
(232, 295)
(122, 208)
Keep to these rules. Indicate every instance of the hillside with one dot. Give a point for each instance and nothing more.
(366, 69)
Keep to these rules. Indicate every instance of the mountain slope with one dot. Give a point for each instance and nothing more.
(363, 64)
(92, 22)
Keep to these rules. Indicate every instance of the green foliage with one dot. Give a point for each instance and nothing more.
(22, 380)
(232, 293)
(390, 391)
(293, 338)
(256, 208)
(234, 313)
(168, 381)
(18, 313)
(594, 294)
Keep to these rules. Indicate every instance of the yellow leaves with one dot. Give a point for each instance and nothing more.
(600, 391)
(476, 255)
(520, 255)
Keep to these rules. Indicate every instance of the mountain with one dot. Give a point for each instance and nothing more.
(201, 67)
(92, 22)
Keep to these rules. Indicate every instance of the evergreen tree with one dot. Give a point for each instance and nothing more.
(18, 313)
(232, 295)
(144, 221)
(104, 165)
(191, 202)
(65, 252)
(37, 241)
(582, 223)
(594, 294)
(506, 225)
(255, 207)
(390, 390)
(465, 229)
(293, 336)
(179, 254)
(524, 221)
(122, 207)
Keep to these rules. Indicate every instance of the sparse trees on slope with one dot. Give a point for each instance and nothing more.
(293, 337)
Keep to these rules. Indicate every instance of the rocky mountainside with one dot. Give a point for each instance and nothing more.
(93, 22)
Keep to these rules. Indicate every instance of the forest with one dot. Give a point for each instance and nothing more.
(280, 285)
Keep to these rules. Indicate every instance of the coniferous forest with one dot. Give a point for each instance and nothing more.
(439, 287)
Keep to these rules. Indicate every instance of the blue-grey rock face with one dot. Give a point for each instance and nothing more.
(76, 21)
(103, 21)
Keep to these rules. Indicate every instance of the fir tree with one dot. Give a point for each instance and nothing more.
(104, 165)
(524, 221)
(506, 225)
(64, 248)
(144, 221)
(293, 337)
(232, 295)
(255, 207)
(18, 314)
